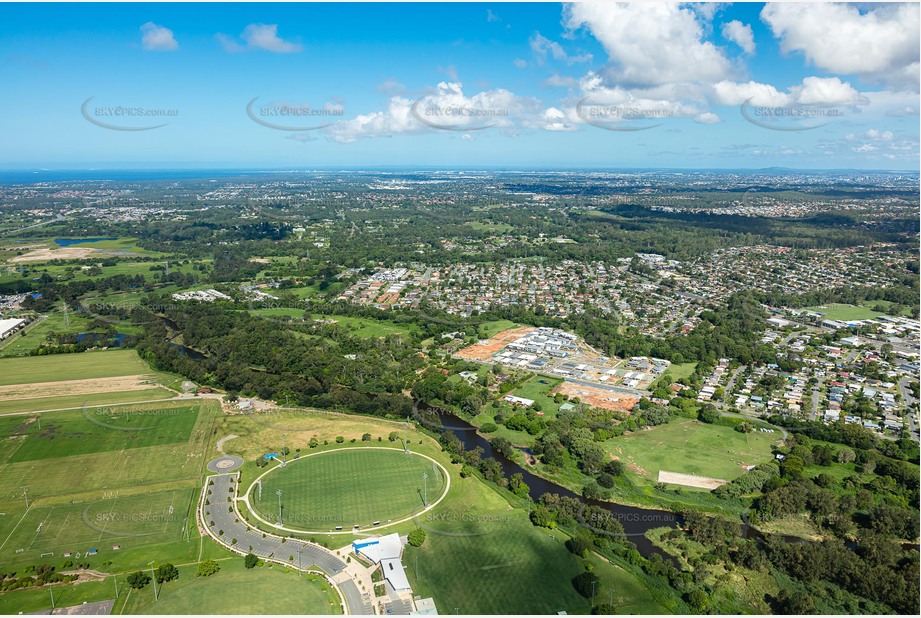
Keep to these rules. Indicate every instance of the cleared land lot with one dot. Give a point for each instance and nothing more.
(691, 447)
(348, 487)
(690, 480)
(598, 397)
(485, 351)
(74, 387)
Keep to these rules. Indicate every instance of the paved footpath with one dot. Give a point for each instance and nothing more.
(299, 555)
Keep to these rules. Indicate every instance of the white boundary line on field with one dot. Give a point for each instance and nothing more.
(245, 497)
(16, 526)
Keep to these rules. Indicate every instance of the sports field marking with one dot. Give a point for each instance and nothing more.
(38, 531)
(387, 524)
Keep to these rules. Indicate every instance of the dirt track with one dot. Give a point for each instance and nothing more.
(75, 387)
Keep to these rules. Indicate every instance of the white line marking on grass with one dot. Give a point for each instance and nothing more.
(16, 526)
(62, 528)
(38, 530)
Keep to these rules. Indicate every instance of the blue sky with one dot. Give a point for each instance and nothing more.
(459, 85)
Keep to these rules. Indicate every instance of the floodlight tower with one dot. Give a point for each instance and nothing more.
(280, 520)
(284, 450)
(425, 493)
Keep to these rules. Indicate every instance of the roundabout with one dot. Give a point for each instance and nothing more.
(347, 490)
(225, 463)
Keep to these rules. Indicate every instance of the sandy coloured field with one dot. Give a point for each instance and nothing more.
(75, 387)
(598, 397)
(690, 480)
(61, 253)
(485, 351)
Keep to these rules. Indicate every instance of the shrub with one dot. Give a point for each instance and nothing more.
(208, 568)
(584, 583)
(138, 580)
(417, 537)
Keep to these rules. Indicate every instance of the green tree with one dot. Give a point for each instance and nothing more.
(708, 414)
(365, 437)
(208, 568)
(167, 573)
(138, 580)
(585, 583)
(698, 599)
(250, 561)
(417, 537)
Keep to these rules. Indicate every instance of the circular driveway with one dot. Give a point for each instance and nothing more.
(225, 463)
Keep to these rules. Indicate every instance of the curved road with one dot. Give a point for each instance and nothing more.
(228, 525)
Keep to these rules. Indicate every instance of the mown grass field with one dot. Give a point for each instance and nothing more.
(691, 447)
(278, 312)
(37, 404)
(837, 311)
(31, 600)
(98, 430)
(681, 370)
(38, 330)
(79, 460)
(345, 487)
(235, 590)
(489, 329)
(36, 373)
(100, 364)
(481, 556)
(132, 522)
(366, 327)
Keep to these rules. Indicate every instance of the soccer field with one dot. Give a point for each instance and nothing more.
(97, 430)
(129, 522)
(840, 311)
(348, 487)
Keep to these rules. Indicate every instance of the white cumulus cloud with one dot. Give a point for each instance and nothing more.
(879, 44)
(740, 34)
(650, 43)
(259, 36)
(157, 38)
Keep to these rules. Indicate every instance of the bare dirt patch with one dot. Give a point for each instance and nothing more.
(690, 480)
(484, 351)
(597, 397)
(62, 253)
(75, 387)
